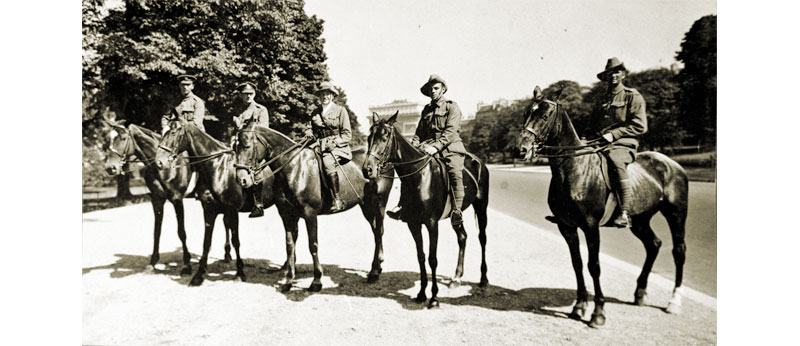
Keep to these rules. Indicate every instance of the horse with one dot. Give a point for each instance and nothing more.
(299, 192)
(213, 161)
(164, 184)
(578, 194)
(423, 187)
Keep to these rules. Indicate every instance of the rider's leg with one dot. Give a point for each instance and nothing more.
(620, 157)
(329, 164)
(455, 168)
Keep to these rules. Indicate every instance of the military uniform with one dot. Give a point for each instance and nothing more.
(251, 112)
(331, 127)
(620, 115)
(438, 127)
(190, 108)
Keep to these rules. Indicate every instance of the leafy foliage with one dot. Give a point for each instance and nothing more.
(660, 91)
(698, 80)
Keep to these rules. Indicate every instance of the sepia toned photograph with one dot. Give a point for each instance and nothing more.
(261, 172)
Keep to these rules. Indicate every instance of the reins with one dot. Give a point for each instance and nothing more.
(595, 145)
(255, 171)
(383, 161)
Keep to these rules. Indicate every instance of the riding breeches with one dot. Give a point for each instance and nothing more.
(329, 162)
(620, 157)
(455, 168)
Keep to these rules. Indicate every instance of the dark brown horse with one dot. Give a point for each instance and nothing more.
(214, 162)
(578, 195)
(299, 192)
(125, 145)
(423, 188)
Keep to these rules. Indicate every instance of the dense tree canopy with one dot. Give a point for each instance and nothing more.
(698, 80)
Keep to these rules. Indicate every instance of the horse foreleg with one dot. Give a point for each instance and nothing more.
(209, 214)
(416, 232)
(187, 257)
(228, 258)
(570, 234)
(158, 217)
(641, 229)
(433, 235)
(593, 243)
(290, 226)
(313, 246)
(375, 218)
(231, 220)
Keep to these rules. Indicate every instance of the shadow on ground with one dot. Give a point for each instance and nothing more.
(352, 282)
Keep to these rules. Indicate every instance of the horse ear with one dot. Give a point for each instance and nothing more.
(375, 118)
(537, 93)
(393, 118)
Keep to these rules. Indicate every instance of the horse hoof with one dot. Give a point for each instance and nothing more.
(597, 321)
(372, 278)
(421, 298)
(674, 309)
(456, 283)
(577, 313)
(315, 287)
(197, 280)
(149, 269)
(433, 304)
(285, 288)
(638, 297)
(186, 271)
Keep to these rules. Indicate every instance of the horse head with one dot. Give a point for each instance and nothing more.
(538, 128)
(249, 151)
(379, 145)
(119, 144)
(172, 143)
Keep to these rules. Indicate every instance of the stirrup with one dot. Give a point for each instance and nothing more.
(395, 213)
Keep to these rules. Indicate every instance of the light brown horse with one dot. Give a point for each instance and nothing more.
(299, 192)
(578, 196)
(138, 143)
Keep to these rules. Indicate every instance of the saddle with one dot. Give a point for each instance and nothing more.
(611, 210)
(327, 193)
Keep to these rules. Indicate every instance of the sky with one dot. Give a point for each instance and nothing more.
(380, 51)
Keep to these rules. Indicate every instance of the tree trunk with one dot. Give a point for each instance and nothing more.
(124, 186)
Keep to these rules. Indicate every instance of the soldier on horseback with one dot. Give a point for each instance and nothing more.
(190, 107)
(620, 117)
(437, 132)
(330, 125)
(249, 111)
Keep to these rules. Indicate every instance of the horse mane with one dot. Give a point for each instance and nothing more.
(147, 132)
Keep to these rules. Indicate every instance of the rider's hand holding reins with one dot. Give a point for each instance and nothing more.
(430, 150)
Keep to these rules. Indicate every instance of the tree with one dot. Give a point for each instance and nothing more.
(659, 89)
(698, 80)
(143, 46)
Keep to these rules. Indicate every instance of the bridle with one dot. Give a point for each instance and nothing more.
(199, 158)
(126, 153)
(383, 158)
(255, 171)
(596, 145)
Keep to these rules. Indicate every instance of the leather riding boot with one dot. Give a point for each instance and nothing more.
(338, 204)
(258, 206)
(625, 195)
(456, 217)
(395, 213)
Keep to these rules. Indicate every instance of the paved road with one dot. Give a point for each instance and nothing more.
(522, 193)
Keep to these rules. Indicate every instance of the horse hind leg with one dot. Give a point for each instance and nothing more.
(676, 219)
(227, 258)
(570, 234)
(641, 229)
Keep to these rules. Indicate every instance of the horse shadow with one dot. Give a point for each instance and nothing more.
(352, 282)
